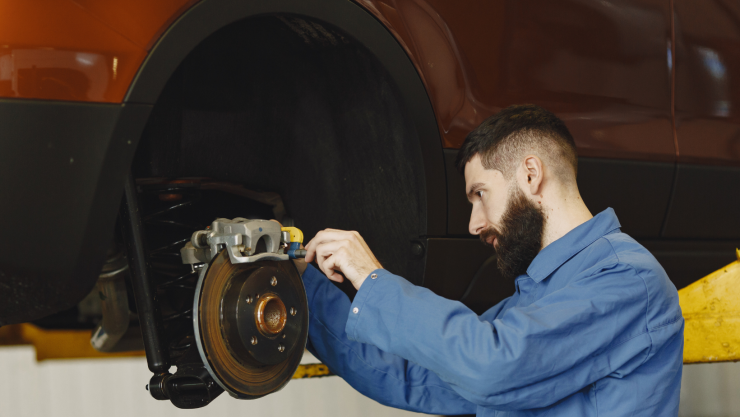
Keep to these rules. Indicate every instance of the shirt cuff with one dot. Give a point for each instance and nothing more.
(363, 307)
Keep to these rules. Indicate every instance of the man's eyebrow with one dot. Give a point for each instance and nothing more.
(473, 189)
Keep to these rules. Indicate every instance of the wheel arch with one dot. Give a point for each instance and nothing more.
(208, 16)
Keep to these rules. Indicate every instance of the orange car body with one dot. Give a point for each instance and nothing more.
(637, 81)
(87, 50)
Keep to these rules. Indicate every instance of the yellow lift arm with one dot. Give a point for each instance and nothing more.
(711, 309)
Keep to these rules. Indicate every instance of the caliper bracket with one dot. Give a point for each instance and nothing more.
(241, 238)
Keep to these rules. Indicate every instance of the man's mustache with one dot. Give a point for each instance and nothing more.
(488, 234)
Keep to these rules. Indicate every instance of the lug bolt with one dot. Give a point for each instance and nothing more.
(273, 281)
(283, 336)
(254, 340)
(293, 311)
(249, 299)
(281, 348)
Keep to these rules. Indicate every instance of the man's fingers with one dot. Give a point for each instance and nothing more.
(309, 254)
(331, 267)
(330, 247)
(330, 257)
(342, 254)
(326, 236)
(311, 247)
(324, 251)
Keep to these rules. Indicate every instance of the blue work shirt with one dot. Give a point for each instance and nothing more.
(593, 329)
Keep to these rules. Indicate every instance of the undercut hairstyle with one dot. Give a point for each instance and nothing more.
(504, 139)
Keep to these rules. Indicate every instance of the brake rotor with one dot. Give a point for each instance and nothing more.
(251, 324)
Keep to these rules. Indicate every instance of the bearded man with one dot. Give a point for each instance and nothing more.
(593, 329)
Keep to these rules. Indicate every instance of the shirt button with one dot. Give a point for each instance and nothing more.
(355, 310)
(373, 276)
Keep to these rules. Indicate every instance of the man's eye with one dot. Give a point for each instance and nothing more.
(479, 194)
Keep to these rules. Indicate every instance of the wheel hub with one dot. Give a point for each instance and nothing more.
(251, 324)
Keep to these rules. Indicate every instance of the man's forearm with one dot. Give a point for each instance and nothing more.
(384, 377)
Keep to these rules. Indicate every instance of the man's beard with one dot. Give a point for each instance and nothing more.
(520, 238)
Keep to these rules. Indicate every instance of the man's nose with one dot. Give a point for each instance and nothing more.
(477, 221)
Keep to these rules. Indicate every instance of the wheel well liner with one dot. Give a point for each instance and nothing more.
(208, 16)
(316, 102)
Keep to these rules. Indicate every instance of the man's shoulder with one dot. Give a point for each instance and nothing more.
(605, 253)
(618, 251)
(627, 251)
(614, 249)
(662, 295)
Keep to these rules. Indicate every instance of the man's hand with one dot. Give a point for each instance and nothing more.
(338, 251)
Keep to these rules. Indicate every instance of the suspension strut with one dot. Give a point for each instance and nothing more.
(166, 279)
(190, 386)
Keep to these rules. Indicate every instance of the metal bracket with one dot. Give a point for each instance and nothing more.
(241, 238)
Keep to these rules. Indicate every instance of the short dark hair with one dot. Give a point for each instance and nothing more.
(505, 138)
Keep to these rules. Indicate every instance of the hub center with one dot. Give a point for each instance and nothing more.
(270, 315)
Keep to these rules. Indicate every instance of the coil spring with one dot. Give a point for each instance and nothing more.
(168, 272)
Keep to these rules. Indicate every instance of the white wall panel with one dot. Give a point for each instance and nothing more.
(710, 390)
(115, 388)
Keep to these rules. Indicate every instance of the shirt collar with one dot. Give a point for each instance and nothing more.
(561, 250)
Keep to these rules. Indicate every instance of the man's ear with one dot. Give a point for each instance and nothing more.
(534, 171)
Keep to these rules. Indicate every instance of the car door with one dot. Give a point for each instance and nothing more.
(705, 204)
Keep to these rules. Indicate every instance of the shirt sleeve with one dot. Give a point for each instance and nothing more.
(384, 377)
(526, 357)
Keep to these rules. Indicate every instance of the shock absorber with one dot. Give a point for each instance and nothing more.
(150, 318)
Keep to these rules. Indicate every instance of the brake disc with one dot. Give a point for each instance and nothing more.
(250, 321)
